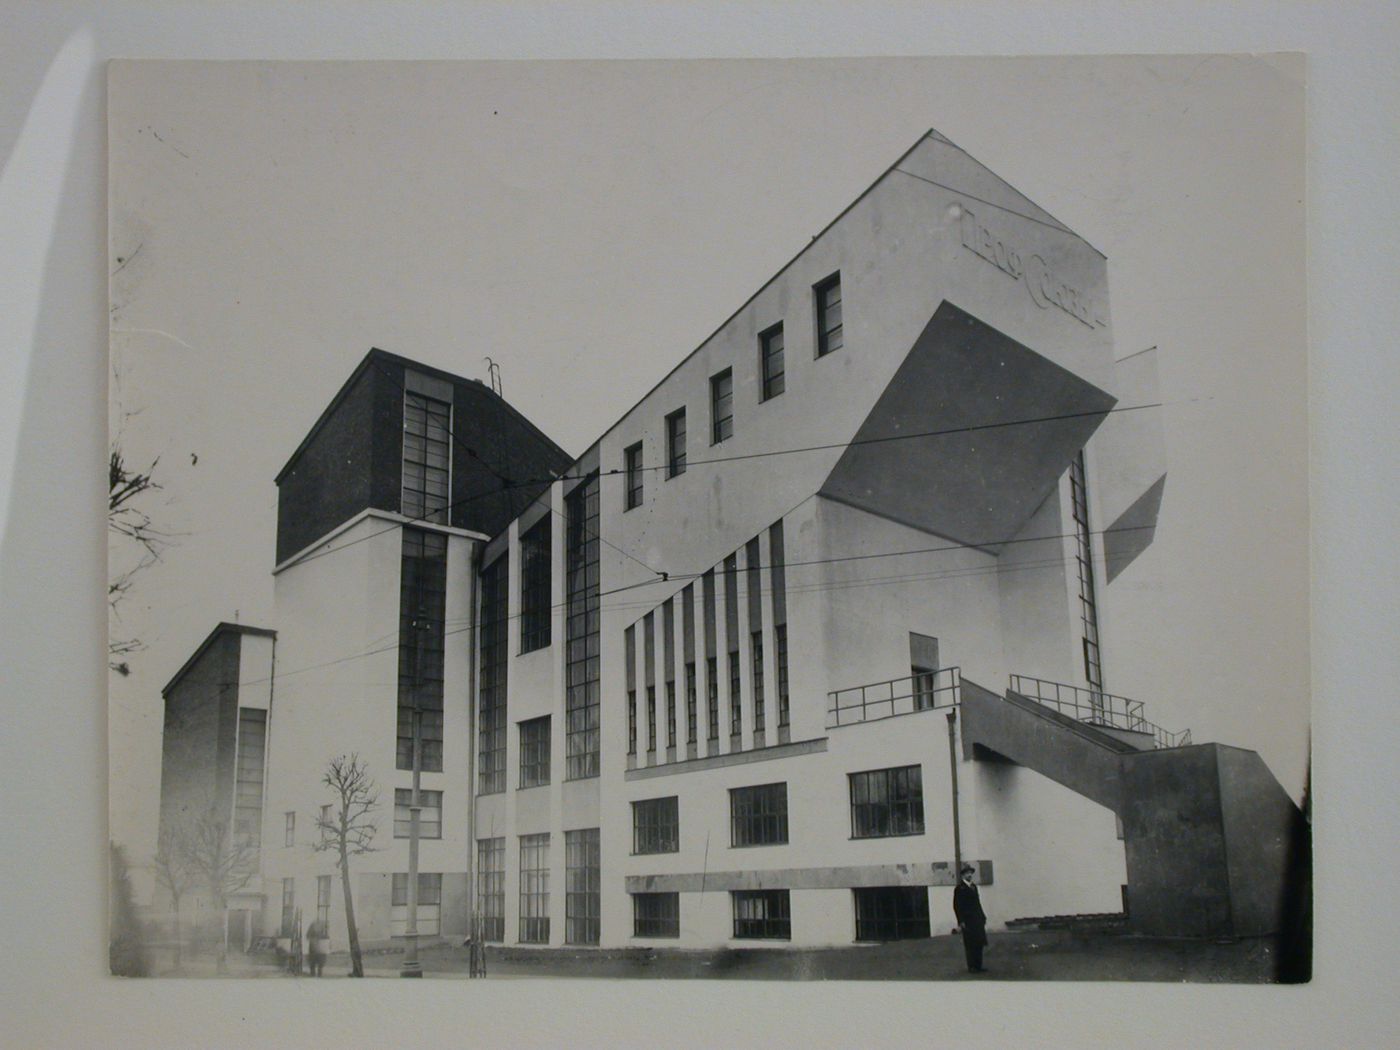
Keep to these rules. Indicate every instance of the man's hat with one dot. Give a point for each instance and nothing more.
(968, 869)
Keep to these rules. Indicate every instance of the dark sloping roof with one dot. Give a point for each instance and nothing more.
(222, 628)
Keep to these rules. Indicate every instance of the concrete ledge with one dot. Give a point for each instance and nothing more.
(914, 873)
(732, 758)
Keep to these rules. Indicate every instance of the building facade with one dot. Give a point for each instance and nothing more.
(711, 682)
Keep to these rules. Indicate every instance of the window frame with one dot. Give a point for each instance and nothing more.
(634, 475)
(289, 828)
(536, 584)
(721, 426)
(822, 309)
(890, 805)
(656, 826)
(768, 927)
(534, 888)
(425, 798)
(769, 377)
(751, 808)
(538, 750)
(429, 917)
(676, 437)
(421, 466)
(666, 925)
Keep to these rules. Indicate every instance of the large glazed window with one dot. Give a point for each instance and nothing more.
(535, 608)
(758, 816)
(427, 458)
(581, 696)
(491, 730)
(422, 605)
(582, 886)
(887, 802)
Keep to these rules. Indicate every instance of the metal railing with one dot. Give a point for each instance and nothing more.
(929, 691)
(1096, 708)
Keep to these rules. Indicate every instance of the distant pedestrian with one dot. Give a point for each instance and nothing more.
(318, 946)
(972, 920)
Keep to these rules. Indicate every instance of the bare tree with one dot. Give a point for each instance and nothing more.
(125, 517)
(349, 831)
(223, 862)
(174, 873)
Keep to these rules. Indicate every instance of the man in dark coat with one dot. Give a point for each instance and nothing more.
(972, 920)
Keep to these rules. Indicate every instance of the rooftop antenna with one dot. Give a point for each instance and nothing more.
(493, 374)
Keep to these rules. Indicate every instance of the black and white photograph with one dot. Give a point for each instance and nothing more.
(783, 520)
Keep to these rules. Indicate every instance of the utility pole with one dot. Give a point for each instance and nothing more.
(953, 769)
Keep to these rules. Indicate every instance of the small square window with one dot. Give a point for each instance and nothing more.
(429, 816)
(656, 915)
(656, 825)
(762, 914)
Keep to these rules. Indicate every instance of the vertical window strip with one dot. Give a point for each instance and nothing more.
(534, 889)
(1084, 557)
(427, 458)
(491, 888)
(491, 729)
(629, 645)
(582, 624)
(422, 608)
(535, 583)
(582, 886)
(248, 776)
(534, 752)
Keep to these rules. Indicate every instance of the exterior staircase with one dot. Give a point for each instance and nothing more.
(1207, 830)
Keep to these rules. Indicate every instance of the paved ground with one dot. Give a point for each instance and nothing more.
(1020, 956)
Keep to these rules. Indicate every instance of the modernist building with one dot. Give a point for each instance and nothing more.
(828, 612)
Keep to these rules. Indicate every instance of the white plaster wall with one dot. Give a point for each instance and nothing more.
(329, 700)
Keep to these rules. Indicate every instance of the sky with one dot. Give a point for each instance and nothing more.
(586, 225)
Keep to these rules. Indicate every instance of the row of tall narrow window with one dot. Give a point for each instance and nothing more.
(582, 888)
(884, 803)
(691, 648)
(772, 371)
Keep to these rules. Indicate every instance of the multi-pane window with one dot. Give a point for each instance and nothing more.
(534, 752)
(675, 443)
(656, 825)
(427, 457)
(581, 691)
(491, 729)
(323, 902)
(887, 802)
(721, 406)
(429, 813)
(651, 718)
(629, 647)
(925, 687)
(712, 696)
(491, 888)
(582, 886)
(1084, 558)
(758, 816)
(692, 705)
(429, 910)
(422, 607)
(535, 608)
(830, 335)
(632, 470)
(756, 649)
(656, 914)
(770, 354)
(248, 780)
(631, 721)
(671, 714)
(326, 822)
(534, 889)
(761, 914)
(736, 708)
(289, 831)
(891, 913)
(289, 906)
(784, 705)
